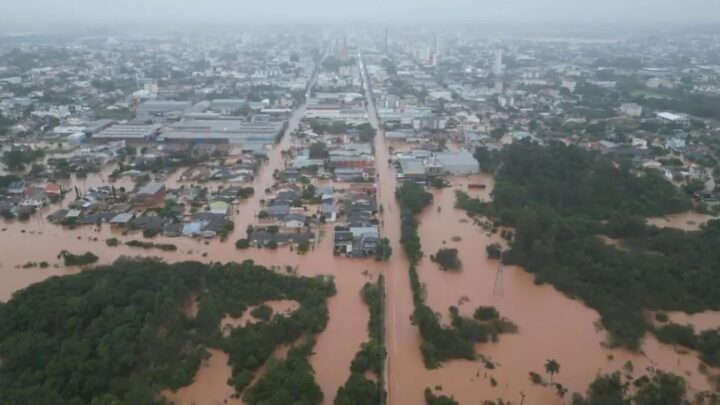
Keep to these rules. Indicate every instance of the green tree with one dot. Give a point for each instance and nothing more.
(447, 258)
(318, 150)
(604, 390)
(662, 389)
(552, 367)
(383, 250)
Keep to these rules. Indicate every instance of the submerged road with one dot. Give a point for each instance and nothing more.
(276, 161)
(398, 303)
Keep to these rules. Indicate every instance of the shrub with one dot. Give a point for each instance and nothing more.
(447, 258)
(262, 312)
(535, 378)
(242, 243)
(150, 232)
(77, 260)
(494, 251)
(486, 313)
(672, 333)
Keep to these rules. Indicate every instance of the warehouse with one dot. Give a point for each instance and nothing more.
(223, 131)
(154, 109)
(411, 169)
(127, 132)
(458, 163)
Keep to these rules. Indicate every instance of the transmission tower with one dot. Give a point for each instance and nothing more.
(498, 287)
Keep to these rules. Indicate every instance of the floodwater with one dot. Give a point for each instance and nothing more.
(700, 321)
(279, 307)
(550, 324)
(687, 221)
(210, 386)
(38, 240)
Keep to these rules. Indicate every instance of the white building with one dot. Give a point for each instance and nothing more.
(631, 109)
(498, 64)
(458, 163)
(671, 118)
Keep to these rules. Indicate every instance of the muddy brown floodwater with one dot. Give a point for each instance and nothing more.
(687, 221)
(279, 307)
(37, 240)
(550, 324)
(210, 386)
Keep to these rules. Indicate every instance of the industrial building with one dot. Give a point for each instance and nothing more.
(458, 163)
(223, 131)
(152, 110)
(127, 132)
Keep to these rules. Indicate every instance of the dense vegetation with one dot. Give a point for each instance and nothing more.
(494, 251)
(694, 104)
(447, 258)
(290, 381)
(560, 198)
(167, 247)
(118, 334)
(439, 343)
(383, 251)
(71, 259)
(18, 158)
(432, 399)
(359, 390)
(660, 389)
(707, 342)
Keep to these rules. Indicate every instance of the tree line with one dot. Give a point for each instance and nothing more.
(439, 343)
(561, 199)
(119, 333)
(358, 389)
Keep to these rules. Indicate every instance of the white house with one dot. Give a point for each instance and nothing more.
(293, 221)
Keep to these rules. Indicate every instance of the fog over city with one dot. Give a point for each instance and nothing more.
(15, 13)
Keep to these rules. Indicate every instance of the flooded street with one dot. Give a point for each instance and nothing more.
(38, 240)
(550, 324)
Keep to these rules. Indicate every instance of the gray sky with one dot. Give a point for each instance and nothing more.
(34, 12)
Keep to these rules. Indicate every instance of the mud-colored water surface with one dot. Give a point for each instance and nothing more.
(687, 221)
(210, 386)
(551, 325)
(279, 307)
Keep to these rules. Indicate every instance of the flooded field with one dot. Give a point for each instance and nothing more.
(210, 386)
(687, 221)
(550, 324)
(700, 321)
(279, 307)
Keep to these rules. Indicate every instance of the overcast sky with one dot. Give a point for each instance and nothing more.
(34, 12)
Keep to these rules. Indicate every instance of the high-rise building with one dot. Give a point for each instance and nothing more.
(386, 41)
(498, 63)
